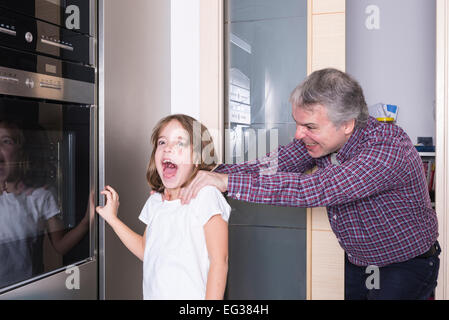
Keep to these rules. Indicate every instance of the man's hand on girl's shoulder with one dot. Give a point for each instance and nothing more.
(202, 179)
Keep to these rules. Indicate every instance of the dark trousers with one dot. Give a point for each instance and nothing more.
(414, 279)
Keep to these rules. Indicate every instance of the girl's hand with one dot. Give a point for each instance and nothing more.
(109, 211)
(87, 219)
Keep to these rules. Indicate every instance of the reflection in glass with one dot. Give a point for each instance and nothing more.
(266, 57)
(44, 188)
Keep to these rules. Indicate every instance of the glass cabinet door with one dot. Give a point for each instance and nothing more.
(266, 58)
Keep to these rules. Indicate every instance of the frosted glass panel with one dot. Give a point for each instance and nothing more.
(267, 59)
(245, 10)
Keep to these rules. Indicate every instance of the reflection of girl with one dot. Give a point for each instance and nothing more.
(27, 207)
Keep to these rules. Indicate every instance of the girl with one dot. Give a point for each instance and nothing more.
(184, 247)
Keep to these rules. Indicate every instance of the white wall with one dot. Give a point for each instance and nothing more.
(395, 64)
(185, 57)
(136, 96)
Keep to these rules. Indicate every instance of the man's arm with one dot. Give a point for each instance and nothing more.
(290, 158)
(369, 173)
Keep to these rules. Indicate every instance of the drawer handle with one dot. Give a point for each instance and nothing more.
(50, 86)
(7, 31)
(59, 45)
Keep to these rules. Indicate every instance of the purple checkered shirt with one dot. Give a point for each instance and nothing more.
(376, 195)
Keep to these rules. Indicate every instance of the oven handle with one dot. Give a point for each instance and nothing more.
(55, 44)
(7, 31)
(93, 166)
(50, 86)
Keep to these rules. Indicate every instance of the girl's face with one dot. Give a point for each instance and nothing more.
(8, 152)
(173, 155)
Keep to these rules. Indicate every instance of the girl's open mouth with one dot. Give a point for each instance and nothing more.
(169, 169)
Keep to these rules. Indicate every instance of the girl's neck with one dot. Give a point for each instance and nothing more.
(171, 194)
(9, 187)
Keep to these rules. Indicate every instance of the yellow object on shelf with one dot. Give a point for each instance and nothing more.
(385, 119)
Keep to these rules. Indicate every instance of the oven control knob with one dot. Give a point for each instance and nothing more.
(29, 83)
(29, 37)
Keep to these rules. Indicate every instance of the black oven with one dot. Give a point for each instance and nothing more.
(47, 144)
(28, 34)
(75, 15)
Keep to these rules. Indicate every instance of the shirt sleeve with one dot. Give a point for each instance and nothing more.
(49, 206)
(377, 168)
(289, 158)
(146, 215)
(210, 202)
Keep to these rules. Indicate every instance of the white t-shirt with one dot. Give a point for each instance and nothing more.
(176, 263)
(23, 219)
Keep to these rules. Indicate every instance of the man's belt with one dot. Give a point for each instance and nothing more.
(431, 252)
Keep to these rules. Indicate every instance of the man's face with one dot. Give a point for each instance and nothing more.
(320, 136)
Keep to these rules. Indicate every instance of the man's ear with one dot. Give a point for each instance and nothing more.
(349, 126)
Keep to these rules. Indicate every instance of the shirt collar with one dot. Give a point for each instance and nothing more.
(354, 140)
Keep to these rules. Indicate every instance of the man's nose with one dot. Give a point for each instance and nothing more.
(300, 132)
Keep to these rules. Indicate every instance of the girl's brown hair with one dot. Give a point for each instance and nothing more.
(203, 151)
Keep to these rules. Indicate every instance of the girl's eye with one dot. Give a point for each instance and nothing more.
(161, 142)
(8, 141)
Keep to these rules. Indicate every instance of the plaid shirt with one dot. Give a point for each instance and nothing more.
(376, 192)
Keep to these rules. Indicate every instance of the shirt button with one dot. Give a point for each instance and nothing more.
(335, 217)
(237, 195)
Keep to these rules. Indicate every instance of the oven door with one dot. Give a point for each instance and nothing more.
(75, 15)
(47, 200)
(28, 34)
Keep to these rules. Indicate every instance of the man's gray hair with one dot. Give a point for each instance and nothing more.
(338, 92)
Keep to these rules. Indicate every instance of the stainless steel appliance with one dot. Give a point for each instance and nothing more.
(29, 34)
(48, 157)
(75, 15)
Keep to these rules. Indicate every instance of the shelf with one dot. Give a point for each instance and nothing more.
(426, 154)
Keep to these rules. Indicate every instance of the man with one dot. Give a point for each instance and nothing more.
(370, 178)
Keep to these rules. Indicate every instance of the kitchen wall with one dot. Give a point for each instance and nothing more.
(390, 50)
